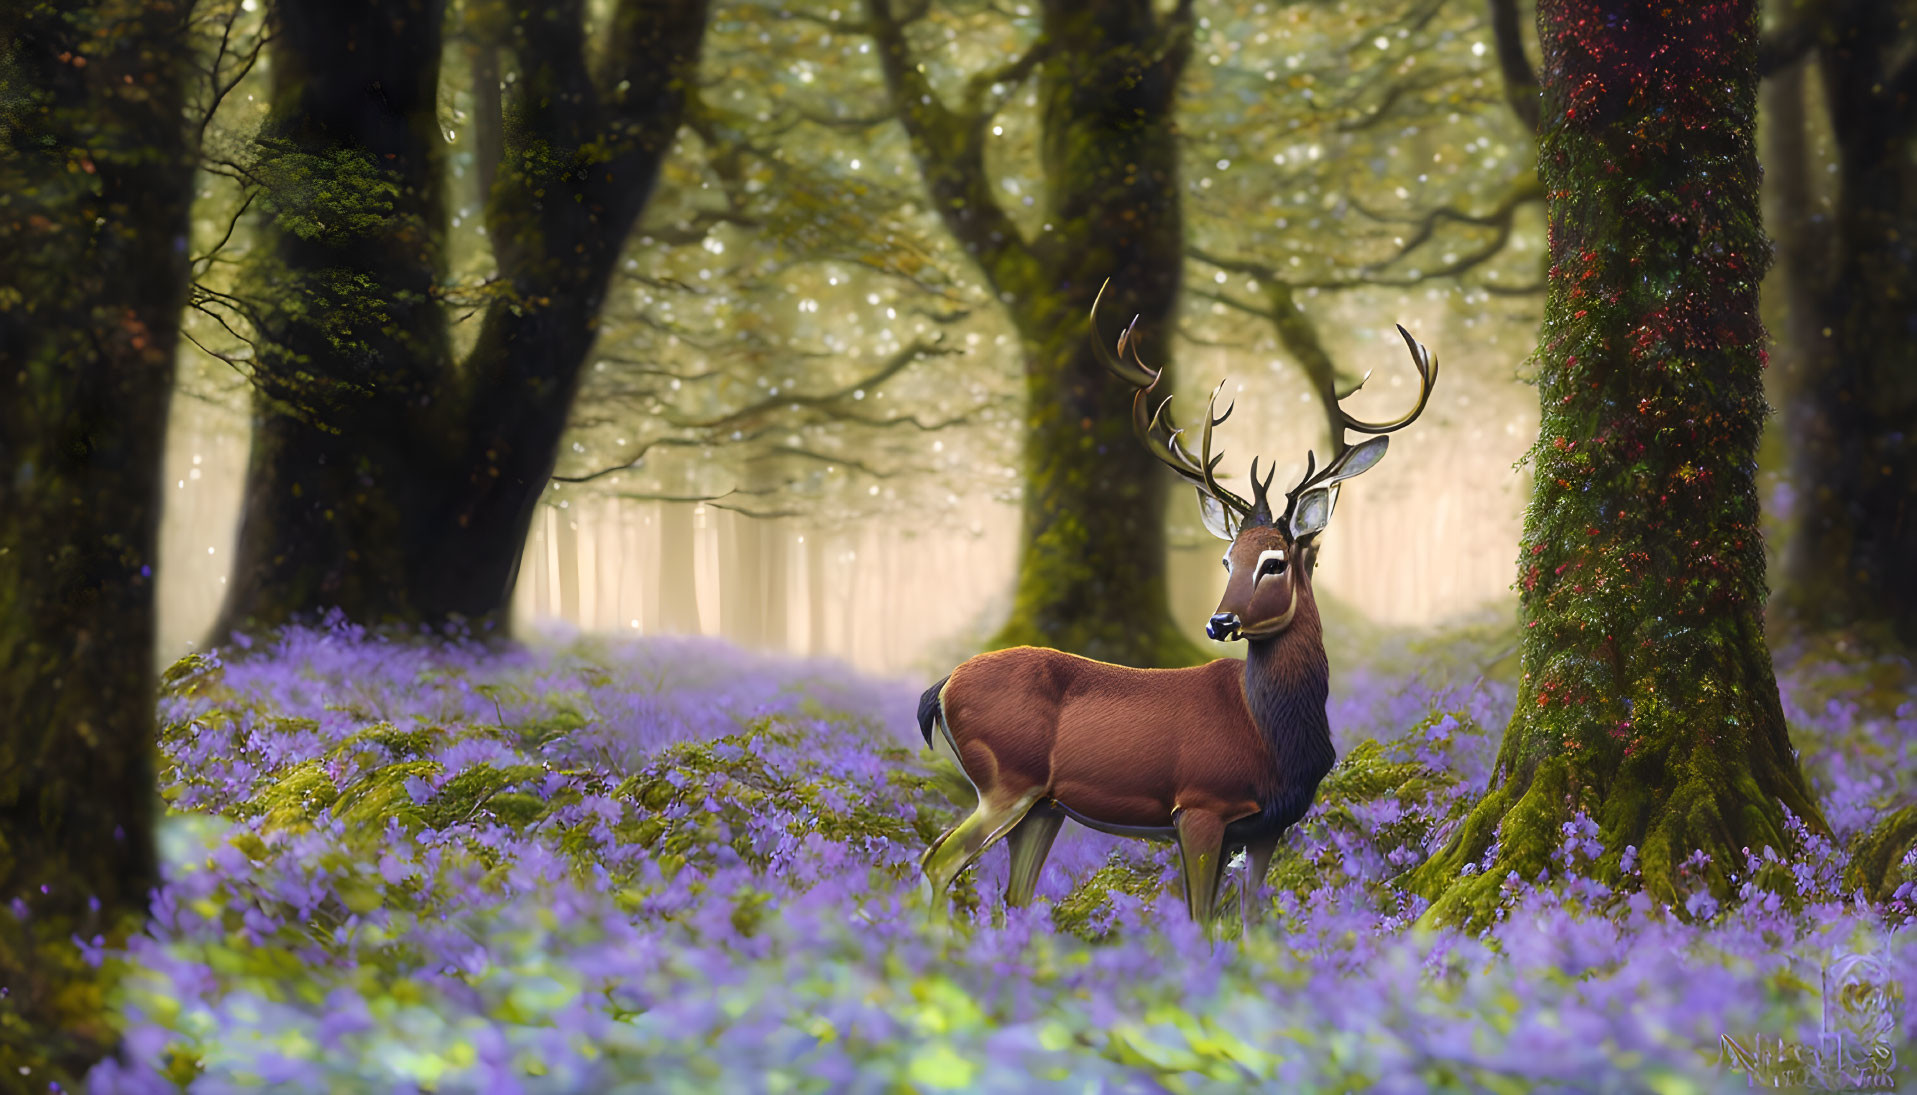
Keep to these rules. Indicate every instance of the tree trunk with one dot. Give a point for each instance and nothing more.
(96, 169)
(1091, 563)
(352, 343)
(1091, 569)
(385, 482)
(678, 574)
(741, 578)
(1853, 412)
(816, 545)
(1647, 699)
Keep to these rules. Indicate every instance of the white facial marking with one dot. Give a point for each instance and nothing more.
(1263, 557)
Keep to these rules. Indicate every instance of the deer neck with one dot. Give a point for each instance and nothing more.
(1287, 680)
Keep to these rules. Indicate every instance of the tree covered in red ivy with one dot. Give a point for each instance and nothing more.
(1648, 700)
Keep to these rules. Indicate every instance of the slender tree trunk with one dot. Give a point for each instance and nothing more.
(1647, 700)
(816, 552)
(1801, 235)
(741, 574)
(96, 172)
(677, 575)
(1853, 412)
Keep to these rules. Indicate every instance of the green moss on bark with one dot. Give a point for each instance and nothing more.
(1877, 855)
(96, 169)
(1648, 700)
(1091, 567)
(388, 480)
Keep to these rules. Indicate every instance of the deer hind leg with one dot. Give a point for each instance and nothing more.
(1257, 865)
(926, 856)
(1030, 841)
(1201, 847)
(956, 850)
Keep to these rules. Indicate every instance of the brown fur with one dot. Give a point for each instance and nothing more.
(1119, 745)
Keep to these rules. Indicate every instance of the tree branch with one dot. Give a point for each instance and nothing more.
(894, 365)
(1795, 36)
(1524, 190)
(1521, 88)
(949, 146)
(1008, 75)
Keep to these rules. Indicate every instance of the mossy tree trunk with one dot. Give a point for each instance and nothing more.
(1647, 700)
(1852, 406)
(96, 171)
(387, 479)
(351, 343)
(1091, 569)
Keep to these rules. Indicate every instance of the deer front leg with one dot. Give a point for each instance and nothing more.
(1030, 841)
(1257, 865)
(1201, 846)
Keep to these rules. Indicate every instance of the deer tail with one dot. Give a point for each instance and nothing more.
(929, 712)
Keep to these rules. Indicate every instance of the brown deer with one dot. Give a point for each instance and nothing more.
(1218, 757)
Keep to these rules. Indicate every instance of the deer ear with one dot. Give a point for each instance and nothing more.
(1312, 514)
(1216, 517)
(1361, 458)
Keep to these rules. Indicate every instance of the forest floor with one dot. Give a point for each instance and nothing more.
(665, 865)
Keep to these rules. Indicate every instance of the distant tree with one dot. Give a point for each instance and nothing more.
(96, 172)
(1648, 701)
(1850, 376)
(1091, 567)
(1385, 163)
(389, 477)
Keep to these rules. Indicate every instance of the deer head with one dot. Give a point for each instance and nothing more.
(1271, 554)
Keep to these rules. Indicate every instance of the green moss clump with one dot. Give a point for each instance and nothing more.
(1878, 855)
(1086, 913)
(293, 800)
(477, 788)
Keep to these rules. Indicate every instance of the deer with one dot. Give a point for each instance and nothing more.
(1220, 758)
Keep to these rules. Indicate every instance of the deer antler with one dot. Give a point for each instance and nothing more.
(1156, 429)
(1351, 459)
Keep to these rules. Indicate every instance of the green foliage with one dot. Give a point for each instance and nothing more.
(329, 197)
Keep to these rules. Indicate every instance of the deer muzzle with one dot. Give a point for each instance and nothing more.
(1223, 627)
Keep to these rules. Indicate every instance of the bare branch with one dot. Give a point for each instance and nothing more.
(218, 90)
(1536, 288)
(698, 228)
(1525, 190)
(894, 365)
(949, 146)
(1007, 76)
(1396, 91)
(235, 362)
(228, 235)
(834, 460)
(638, 458)
(1521, 88)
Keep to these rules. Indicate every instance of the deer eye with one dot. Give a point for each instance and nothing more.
(1271, 562)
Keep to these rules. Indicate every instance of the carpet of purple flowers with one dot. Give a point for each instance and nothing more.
(668, 866)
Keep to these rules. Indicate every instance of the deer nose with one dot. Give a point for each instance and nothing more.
(1223, 627)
